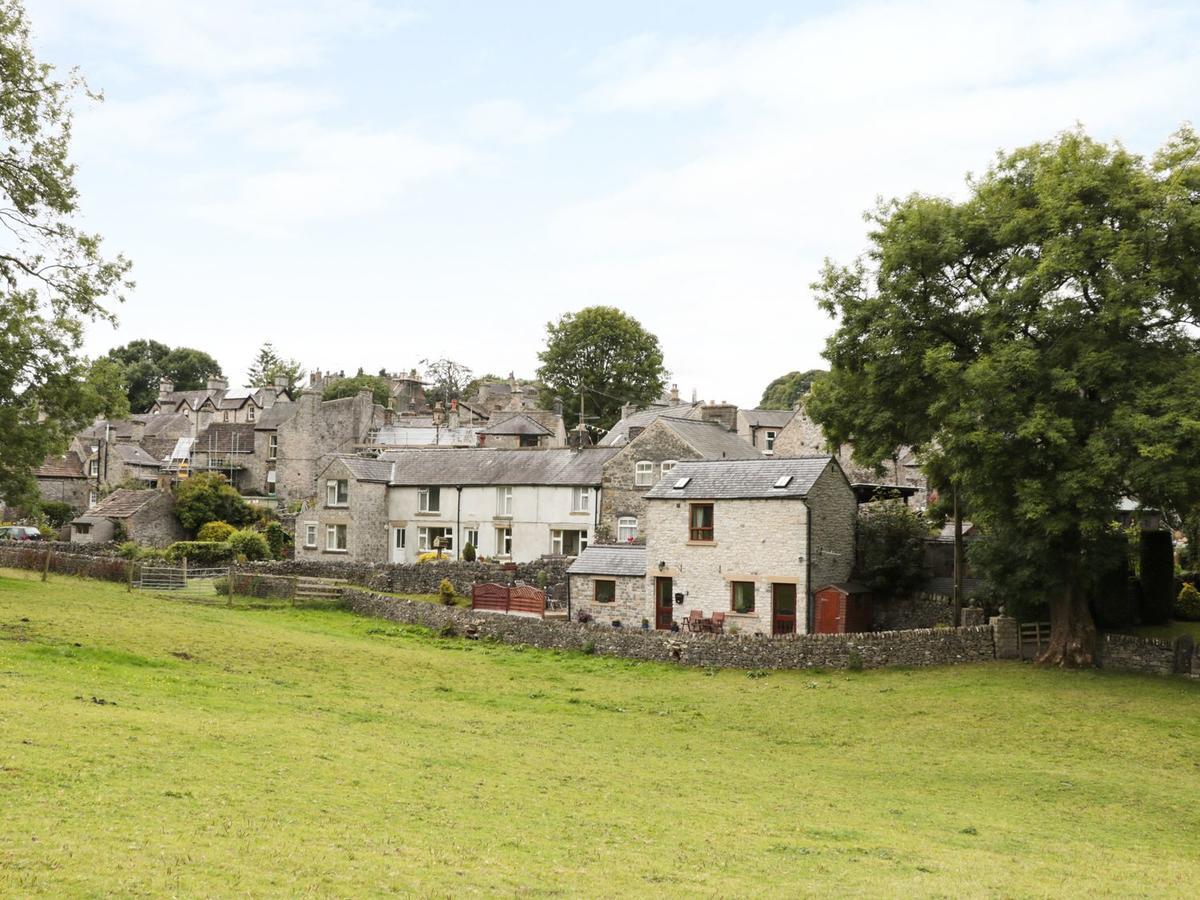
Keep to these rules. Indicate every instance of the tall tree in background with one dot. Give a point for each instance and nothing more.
(786, 390)
(53, 278)
(146, 362)
(607, 357)
(447, 380)
(380, 388)
(269, 365)
(1037, 344)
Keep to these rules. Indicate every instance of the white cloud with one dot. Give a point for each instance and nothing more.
(510, 122)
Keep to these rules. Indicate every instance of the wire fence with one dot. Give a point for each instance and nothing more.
(184, 582)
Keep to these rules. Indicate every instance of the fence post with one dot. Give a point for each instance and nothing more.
(1007, 637)
(230, 592)
(184, 573)
(295, 589)
(129, 577)
(46, 564)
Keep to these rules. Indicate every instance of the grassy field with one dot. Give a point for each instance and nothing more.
(154, 747)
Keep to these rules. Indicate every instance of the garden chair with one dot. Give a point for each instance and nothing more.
(695, 620)
(718, 623)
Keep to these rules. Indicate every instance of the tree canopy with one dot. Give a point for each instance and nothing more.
(146, 362)
(381, 390)
(1036, 343)
(208, 497)
(605, 355)
(269, 365)
(448, 380)
(53, 277)
(786, 390)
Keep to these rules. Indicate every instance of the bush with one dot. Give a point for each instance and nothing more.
(277, 539)
(57, 512)
(208, 497)
(446, 592)
(1187, 604)
(130, 550)
(430, 556)
(203, 552)
(891, 548)
(448, 630)
(468, 552)
(249, 544)
(1158, 577)
(1105, 577)
(215, 531)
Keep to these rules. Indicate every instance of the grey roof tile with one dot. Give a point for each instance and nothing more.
(741, 479)
(611, 559)
(488, 466)
(711, 440)
(767, 418)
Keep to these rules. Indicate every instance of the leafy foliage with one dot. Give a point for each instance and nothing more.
(203, 552)
(891, 548)
(786, 390)
(381, 391)
(215, 531)
(468, 552)
(53, 277)
(146, 362)
(208, 497)
(446, 592)
(250, 544)
(278, 540)
(1035, 343)
(448, 380)
(1187, 604)
(56, 512)
(269, 365)
(605, 355)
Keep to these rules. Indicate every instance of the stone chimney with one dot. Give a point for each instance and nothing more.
(218, 383)
(165, 387)
(674, 395)
(627, 409)
(453, 420)
(137, 430)
(437, 413)
(558, 407)
(281, 384)
(724, 414)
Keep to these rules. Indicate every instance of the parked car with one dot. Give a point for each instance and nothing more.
(20, 533)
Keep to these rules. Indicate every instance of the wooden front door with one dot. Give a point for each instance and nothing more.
(783, 608)
(663, 597)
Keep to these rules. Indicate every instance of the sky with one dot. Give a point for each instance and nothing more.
(372, 183)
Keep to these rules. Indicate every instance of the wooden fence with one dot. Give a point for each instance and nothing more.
(1035, 637)
(520, 599)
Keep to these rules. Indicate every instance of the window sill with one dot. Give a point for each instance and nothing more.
(702, 543)
(337, 505)
(500, 517)
(581, 512)
(310, 546)
(336, 551)
(430, 514)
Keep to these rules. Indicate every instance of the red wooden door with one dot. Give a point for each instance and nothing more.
(663, 613)
(783, 608)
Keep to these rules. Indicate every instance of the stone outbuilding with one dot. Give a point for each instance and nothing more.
(608, 583)
(748, 538)
(147, 517)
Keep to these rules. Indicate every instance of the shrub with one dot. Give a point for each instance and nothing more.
(854, 661)
(891, 548)
(250, 544)
(468, 552)
(589, 647)
(430, 556)
(448, 630)
(277, 539)
(57, 512)
(1187, 604)
(208, 497)
(1158, 577)
(204, 552)
(215, 531)
(446, 592)
(130, 550)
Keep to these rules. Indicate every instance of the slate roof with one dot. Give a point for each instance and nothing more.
(726, 479)
(619, 433)
(611, 559)
(133, 455)
(711, 440)
(274, 416)
(493, 466)
(226, 437)
(516, 424)
(121, 504)
(376, 470)
(767, 418)
(194, 399)
(66, 466)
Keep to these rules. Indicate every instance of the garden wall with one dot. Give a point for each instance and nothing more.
(1150, 656)
(419, 578)
(32, 555)
(931, 647)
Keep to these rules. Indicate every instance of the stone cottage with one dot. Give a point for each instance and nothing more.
(607, 583)
(748, 538)
(146, 516)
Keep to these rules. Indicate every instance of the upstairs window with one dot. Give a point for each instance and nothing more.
(504, 501)
(273, 447)
(627, 529)
(770, 441)
(250, 414)
(581, 500)
(668, 466)
(337, 493)
(701, 522)
(643, 473)
(429, 500)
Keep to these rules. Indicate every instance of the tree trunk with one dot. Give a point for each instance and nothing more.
(1072, 629)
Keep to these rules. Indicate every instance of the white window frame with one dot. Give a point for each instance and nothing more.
(250, 414)
(333, 492)
(94, 467)
(668, 466)
(427, 494)
(310, 534)
(270, 482)
(557, 539)
(627, 529)
(769, 440)
(504, 502)
(399, 537)
(93, 499)
(426, 537)
(335, 535)
(471, 536)
(581, 500)
(504, 541)
(643, 473)
(273, 447)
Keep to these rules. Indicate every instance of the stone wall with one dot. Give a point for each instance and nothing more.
(931, 647)
(630, 607)
(419, 578)
(918, 611)
(834, 523)
(620, 495)
(1133, 654)
(32, 555)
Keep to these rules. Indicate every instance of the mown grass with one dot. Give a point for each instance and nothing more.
(152, 747)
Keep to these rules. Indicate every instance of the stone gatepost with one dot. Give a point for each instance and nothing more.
(971, 615)
(1007, 637)
(1185, 654)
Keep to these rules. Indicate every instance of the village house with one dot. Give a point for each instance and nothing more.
(61, 479)
(511, 504)
(214, 403)
(648, 454)
(748, 539)
(761, 427)
(145, 516)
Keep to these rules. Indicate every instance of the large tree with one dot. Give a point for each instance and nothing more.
(269, 365)
(380, 388)
(604, 356)
(53, 277)
(447, 380)
(1037, 343)
(147, 362)
(786, 390)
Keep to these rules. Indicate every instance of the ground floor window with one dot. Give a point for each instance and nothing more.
(627, 529)
(335, 537)
(432, 538)
(398, 538)
(472, 537)
(743, 596)
(271, 483)
(568, 541)
(504, 542)
(310, 534)
(606, 590)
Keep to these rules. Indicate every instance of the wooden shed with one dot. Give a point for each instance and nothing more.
(842, 608)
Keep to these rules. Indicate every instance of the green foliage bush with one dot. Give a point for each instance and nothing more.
(57, 513)
(203, 552)
(278, 540)
(215, 531)
(446, 592)
(129, 550)
(1187, 604)
(1158, 577)
(468, 552)
(1105, 578)
(250, 544)
(208, 497)
(891, 548)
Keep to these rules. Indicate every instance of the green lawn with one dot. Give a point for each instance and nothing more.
(156, 747)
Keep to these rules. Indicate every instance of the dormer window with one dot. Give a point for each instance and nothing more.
(643, 473)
